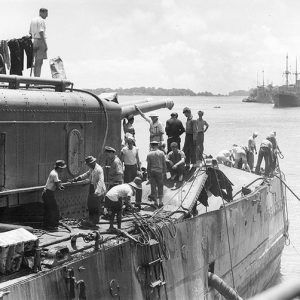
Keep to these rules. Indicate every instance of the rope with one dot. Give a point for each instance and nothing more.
(287, 187)
(227, 230)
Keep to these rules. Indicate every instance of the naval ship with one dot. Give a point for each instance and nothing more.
(208, 241)
(288, 95)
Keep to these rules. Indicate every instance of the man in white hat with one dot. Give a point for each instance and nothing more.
(51, 211)
(119, 195)
(156, 129)
(96, 192)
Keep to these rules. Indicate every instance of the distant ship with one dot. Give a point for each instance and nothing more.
(288, 95)
(261, 94)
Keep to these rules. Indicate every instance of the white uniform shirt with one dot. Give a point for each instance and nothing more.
(51, 181)
(129, 155)
(37, 25)
(119, 191)
(96, 177)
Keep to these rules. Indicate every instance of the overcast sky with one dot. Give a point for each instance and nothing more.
(215, 45)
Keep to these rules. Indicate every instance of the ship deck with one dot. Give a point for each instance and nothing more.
(178, 200)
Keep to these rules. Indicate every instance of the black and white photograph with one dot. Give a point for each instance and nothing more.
(149, 150)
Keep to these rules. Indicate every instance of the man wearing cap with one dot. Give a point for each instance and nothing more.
(113, 168)
(156, 169)
(202, 127)
(174, 129)
(190, 137)
(175, 162)
(51, 211)
(116, 197)
(252, 150)
(156, 128)
(96, 191)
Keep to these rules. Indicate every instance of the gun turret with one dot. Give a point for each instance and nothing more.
(146, 107)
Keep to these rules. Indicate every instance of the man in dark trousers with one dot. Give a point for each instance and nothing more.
(202, 127)
(97, 190)
(174, 129)
(113, 168)
(156, 168)
(119, 195)
(190, 142)
(51, 212)
(265, 151)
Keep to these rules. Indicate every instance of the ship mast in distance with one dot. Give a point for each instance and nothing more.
(263, 75)
(287, 72)
(296, 72)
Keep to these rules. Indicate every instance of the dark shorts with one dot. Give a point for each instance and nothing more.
(113, 205)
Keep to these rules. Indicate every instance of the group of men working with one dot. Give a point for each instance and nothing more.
(121, 178)
(242, 157)
(106, 187)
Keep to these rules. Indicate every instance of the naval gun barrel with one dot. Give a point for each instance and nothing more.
(146, 107)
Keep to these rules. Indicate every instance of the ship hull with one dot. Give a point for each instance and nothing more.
(286, 100)
(241, 243)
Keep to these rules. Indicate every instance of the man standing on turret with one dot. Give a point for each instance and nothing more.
(38, 34)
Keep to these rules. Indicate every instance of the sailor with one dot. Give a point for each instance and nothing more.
(275, 150)
(131, 160)
(190, 138)
(252, 150)
(119, 195)
(128, 126)
(156, 128)
(202, 127)
(51, 211)
(240, 158)
(156, 169)
(113, 168)
(225, 157)
(97, 190)
(175, 162)
(37, 32)
(264, 152)
(174, 129)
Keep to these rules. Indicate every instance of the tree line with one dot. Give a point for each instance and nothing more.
(151, 91)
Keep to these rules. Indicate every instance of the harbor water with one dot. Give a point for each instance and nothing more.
(232, 121)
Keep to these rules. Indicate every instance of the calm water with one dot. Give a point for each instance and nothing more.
(233, 123)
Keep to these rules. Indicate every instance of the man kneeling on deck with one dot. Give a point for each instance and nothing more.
(175, 162)
(119, 195)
